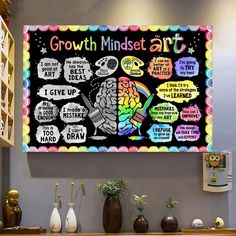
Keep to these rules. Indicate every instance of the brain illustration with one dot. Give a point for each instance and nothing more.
(106, 102)
(129, 102)
(117, 104)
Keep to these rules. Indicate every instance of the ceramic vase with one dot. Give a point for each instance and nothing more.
(55, 220)
(169, 224)
(71, 220)
(112, 215)
(141, 224)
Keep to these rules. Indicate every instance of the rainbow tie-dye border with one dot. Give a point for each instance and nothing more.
(123, 28)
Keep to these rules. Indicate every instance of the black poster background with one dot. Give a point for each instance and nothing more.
(190, 38)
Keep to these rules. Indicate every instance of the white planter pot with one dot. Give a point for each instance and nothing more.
(55, 220)
(71, 220)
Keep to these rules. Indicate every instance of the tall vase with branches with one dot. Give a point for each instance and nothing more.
(71, 219)
(112, 211)
(55, 218)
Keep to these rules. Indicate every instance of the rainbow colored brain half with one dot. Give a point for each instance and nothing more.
(126, 98)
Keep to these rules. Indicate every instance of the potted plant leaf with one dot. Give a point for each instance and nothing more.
(170, 223)
(141, 223)
(112, 211)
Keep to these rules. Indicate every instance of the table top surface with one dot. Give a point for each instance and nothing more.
(124, 234)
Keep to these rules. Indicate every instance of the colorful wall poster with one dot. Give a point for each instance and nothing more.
(117, 88)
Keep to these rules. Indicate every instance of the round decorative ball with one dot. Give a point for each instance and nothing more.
(197, 224)
(219, 222)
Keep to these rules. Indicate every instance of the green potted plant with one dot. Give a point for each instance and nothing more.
(112, 211)
(141, 223)
(170, 223)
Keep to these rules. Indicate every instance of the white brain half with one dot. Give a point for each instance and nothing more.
(106, 102)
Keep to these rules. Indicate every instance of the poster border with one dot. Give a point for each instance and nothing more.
(112, 28)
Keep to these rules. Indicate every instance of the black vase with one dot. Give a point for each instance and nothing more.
(112, 215)
(169, 224)
(141, 224)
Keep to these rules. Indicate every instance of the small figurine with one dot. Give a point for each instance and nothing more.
(197, 224)
(11, 210)
(219, 223)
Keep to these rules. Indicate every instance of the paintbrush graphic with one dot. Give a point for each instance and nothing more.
(94, 114)
(141, 113)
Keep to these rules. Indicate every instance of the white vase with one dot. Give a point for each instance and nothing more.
(55, 220)
(71, 220)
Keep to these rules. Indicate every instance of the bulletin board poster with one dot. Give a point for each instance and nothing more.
(101, 88)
